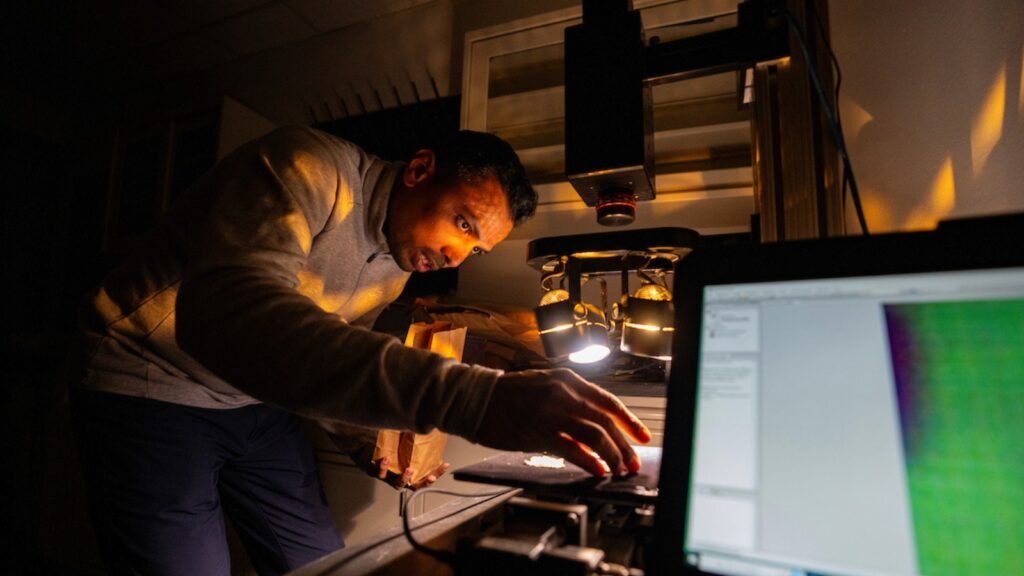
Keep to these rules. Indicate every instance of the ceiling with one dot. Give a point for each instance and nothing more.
(51, 44)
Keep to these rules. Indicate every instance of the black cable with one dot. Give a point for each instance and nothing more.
(378, 544)
(830, 115)
(839, 83)
(835, 125)
(835, 63)
(445, 556)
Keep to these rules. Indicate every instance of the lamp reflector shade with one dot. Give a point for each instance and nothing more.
(647, 329)
(578, 331)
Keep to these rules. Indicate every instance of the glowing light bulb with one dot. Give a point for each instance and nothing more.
(653, 292)
(553, 296)
(590, 354)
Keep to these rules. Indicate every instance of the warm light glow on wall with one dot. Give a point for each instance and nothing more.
(941, 200)
(876, 211)
(854, 118)
(944, 189)
(988, 124)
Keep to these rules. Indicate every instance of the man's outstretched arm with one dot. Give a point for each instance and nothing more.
(558, 411)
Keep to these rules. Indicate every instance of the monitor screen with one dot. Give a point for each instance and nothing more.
(867, 425)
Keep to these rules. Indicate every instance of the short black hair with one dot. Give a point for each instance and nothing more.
(469, 156)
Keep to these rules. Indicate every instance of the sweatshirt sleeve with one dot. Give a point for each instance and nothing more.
(239, 312)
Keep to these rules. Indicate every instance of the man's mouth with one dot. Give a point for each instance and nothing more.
(423, 263)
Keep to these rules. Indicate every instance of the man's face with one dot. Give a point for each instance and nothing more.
(433, 226)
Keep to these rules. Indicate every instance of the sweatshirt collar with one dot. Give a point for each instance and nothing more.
(377, 204)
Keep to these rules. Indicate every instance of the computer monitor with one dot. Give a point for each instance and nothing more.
(850, 406)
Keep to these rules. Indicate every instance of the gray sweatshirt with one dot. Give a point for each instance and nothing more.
(260, 286)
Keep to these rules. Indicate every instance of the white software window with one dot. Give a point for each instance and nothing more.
(799, 460)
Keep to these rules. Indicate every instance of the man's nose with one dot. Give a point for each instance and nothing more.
(455, 255)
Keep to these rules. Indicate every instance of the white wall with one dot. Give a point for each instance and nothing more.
(932, 100)
(933, 107)
(932, 104)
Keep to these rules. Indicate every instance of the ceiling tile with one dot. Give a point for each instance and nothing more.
(193, 52)
(184, 55)
(268, 27)
(204, 12)
(145, 24)
(333, 14)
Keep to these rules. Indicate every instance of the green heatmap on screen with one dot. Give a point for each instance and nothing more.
(959, 369)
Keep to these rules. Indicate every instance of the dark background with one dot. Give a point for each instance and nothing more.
(56, 193)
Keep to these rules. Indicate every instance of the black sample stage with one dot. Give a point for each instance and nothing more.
(510, 469)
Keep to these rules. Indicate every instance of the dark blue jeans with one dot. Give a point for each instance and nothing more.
(160, 477)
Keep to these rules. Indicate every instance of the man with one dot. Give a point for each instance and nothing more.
(250, 304)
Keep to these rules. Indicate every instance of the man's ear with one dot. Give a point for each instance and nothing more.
(420, 169)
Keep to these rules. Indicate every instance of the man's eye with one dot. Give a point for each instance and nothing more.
(477, 250)
(463, 224)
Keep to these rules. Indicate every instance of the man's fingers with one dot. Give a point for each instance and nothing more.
(607, 402)
(579, 455)
(558, 410)
(382, 471)
(626, 452)
(429, 480)
(599, 439)
(407, 476)
(425, 483)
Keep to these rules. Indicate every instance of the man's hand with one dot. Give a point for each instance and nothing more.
(359, 443)
(557, 411)
(405, 479)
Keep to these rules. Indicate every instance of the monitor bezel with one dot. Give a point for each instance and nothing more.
(959, 245)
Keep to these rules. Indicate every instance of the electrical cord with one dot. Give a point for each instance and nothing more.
(360, 552)
(839, 82)
(445, 556)
(832, 118)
